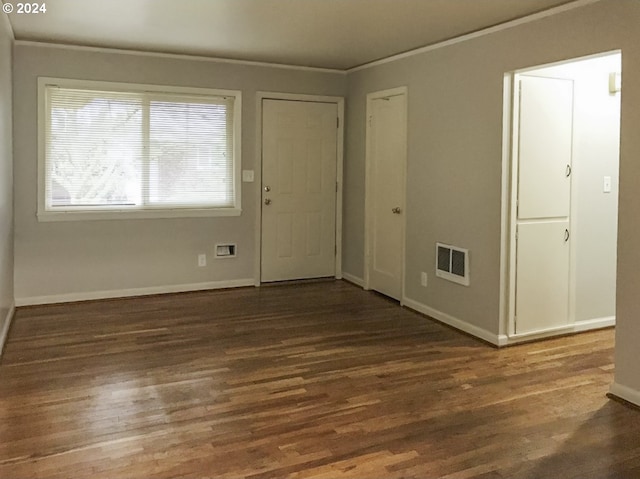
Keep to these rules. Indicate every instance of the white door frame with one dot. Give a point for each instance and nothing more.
(339, 102)
(398, 91)
(507, 333)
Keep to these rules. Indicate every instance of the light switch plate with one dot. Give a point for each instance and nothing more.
(606, 184)
(247, 176)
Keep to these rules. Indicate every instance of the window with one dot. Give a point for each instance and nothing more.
(125, 151)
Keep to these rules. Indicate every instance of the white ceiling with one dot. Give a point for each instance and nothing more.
(338, 34)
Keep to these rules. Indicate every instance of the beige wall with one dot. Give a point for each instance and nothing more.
(84, 257)
(6, 175)
(455, 158)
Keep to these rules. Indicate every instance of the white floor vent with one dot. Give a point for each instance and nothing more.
(452, 263)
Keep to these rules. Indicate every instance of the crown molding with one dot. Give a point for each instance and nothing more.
(480, 33)
(176, 56)
(400, 56)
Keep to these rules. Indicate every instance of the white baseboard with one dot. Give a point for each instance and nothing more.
(7, 324)
(597, 323)
(577, 327)
(452, 321)
(125, 293)
(626, 393)
(353, 279)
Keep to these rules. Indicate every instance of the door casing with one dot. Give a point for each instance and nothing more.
(339, 101)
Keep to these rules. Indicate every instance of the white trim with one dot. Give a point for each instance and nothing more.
(480, 33)
(453, 322)
(626, 393)
(353, 279)
(340, 188)
(7, 324)
(176, 56)
(541, 333)
(577, 327)
(137, 212)
(398, 91)
(339, 102)
(596, 323)
(530, 71)
(126, 293)
(184, 56)
(513, 132)
(507, 121)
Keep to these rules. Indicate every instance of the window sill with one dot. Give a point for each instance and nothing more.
(48, 216)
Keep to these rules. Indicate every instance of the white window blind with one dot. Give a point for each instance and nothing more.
(137, 150)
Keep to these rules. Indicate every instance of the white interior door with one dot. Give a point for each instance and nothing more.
(299, 157)
(386, 193)
(543, 204)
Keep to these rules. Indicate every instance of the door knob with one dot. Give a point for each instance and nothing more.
(267, 189)
(267, 201)
(396, 210)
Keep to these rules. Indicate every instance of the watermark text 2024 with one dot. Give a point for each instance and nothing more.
(25, 8)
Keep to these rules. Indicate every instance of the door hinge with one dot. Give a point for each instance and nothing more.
(336, 186)
(335, 250)
(337, 122)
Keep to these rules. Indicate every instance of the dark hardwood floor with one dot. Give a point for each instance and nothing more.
(310, 380)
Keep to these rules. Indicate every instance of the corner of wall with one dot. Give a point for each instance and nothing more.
(625, 393)
(7, 296)
(480, 333)
(9, 27)
(5, 324)
(351, 278)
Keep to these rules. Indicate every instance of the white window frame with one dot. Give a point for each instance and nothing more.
(115, 213)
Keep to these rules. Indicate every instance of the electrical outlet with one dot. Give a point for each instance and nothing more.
(202, 260)
(423, 279)
(247, 176)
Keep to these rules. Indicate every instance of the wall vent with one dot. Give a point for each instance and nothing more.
(226, 251)
(452, 263)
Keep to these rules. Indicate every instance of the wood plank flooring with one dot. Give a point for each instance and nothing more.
(310, 380)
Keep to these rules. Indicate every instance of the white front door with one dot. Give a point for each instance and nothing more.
(299, 153)
(543, 204)
(386, 136)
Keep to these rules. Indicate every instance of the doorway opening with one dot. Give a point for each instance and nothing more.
(560, 197)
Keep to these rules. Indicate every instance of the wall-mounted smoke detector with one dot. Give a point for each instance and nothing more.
(452, 263)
